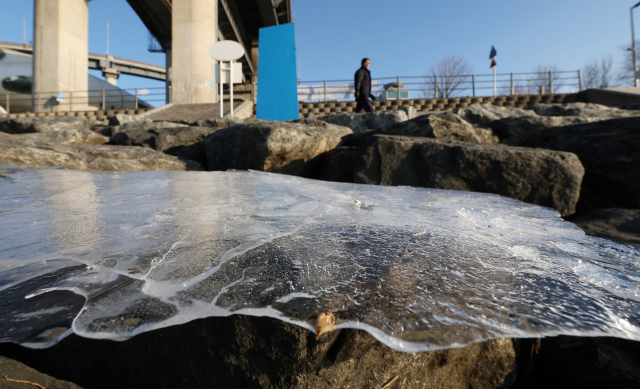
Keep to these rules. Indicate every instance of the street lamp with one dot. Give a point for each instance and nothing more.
(633, 50)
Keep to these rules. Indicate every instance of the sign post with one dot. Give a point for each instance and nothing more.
(226, 51)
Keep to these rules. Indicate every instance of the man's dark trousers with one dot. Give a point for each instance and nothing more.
(364, 103)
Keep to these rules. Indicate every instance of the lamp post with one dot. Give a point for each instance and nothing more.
(633, 50)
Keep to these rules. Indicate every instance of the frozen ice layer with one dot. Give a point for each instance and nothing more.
(111, 255)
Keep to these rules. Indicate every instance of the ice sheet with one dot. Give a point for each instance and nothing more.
(111, 255)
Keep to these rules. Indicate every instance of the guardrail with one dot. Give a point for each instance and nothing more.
(104, 99)
(469, 85)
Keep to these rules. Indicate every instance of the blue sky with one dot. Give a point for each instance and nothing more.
(402, 37)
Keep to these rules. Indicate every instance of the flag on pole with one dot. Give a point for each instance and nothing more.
(493, 53)
(493, 63)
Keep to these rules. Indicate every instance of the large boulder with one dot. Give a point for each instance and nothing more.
(484, 114)
(215, 123)
(68, 137)
(582, 362)
(282, 147)
(620, 225)
(442, 126)
(542, 177)
(186, 142)
(609, 152)
(360, 122)
(260, 352)
(586, 110)
(16, 375)
(46, 123)
(30, 154)
(512, 126)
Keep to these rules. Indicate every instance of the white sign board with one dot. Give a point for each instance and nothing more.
(237, 73)
(226, 51)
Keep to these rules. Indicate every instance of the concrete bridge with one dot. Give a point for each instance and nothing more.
(184, 28)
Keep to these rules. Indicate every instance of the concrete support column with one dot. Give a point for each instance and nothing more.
(111, 75)
(194, 26)
(60, 56)
(254, 76)
(168, 73)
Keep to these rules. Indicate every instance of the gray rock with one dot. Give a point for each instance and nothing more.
(120, 119)
(587, 110)
(271, 146)
(30, 154)
(342, 162)
(442, 126)
(15, 370)
(260, 352)
(581, 362)
(144, 125)
(215, 123)
(609, 152)
(46, 123)
(508, 127)
(185, 142)
(360, 122)
(410, 111)
(68, 137)
(484, 114)
(620, 225)
(313, 122)
(542, 177)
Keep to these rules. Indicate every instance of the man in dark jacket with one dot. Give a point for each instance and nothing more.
(362, 86)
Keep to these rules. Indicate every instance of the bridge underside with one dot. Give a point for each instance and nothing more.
(183, 28)
(238, 20)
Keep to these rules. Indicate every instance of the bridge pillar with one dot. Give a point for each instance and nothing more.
(194, 26)
(111, 75)
(60, 55)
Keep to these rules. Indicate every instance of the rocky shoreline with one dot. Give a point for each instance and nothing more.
(579, 159)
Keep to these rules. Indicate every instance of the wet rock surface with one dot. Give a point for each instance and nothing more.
(30, 154)
(609, 153)
(280, 147)
(536, 176)
(257, 352)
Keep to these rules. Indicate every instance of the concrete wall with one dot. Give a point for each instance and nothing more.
(61, 44)
(194, 27)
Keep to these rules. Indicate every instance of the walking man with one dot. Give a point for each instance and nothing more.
(362, 86)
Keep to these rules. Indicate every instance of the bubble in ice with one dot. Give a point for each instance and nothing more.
(111, 255)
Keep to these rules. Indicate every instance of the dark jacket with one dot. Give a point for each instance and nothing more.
(362, 83)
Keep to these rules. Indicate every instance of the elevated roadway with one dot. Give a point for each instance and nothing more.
(101, 61)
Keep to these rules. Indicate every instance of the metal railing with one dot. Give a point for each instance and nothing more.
(90, 100)
(434, 86)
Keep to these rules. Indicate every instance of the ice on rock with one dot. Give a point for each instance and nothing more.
(111, 255)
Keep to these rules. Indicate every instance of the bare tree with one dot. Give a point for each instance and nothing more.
(452, 75)
(626, 72)
(547, 77)
(599, 74)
